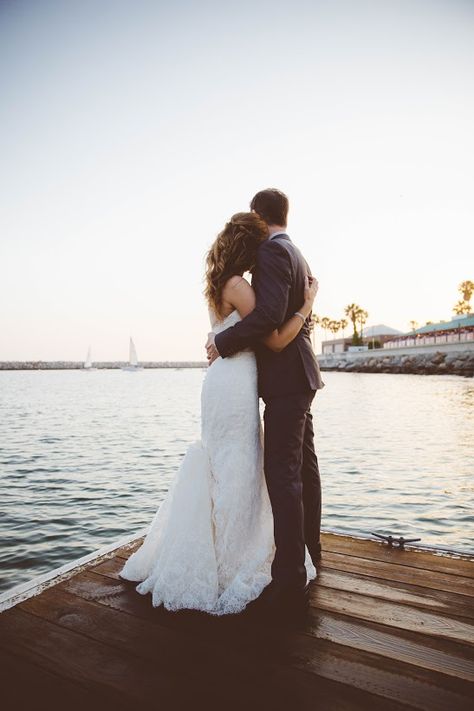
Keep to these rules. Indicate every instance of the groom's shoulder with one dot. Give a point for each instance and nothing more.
(293, 255)
(271, 247)
(279, 244)
(282, 246)
(273, 252)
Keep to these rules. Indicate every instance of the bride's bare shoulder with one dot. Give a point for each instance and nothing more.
(236, 282)
(238, 294)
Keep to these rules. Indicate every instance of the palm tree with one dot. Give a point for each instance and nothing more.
(334, 327)
(467, 289)
(462, 307)
(362, 318)
(352, 311)
(343, 325)
(413, 325)
(314, 321)
(325, 324)
(312, 326)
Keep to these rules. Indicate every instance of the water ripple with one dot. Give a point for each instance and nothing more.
(86, 458)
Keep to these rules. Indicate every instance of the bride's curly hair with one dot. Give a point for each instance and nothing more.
(233, 253)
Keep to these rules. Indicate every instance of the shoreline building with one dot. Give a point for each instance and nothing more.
(372, 337)
(458, 330)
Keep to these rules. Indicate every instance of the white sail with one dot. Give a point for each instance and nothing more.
(133, 354)
(88, 360)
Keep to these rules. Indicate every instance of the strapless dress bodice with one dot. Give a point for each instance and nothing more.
(230, 320)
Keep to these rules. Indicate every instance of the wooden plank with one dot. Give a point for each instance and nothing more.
(367, 672)
(413, 558)
(392, 614)
(388, 673)
(83, 660)
(413, 648)
(116, 593)
(373, 550)
(441, 572)
(398, 573)
(127, 550)
(451, 658)
(396, 681)
(23, 591)
(196, 659)
(26, 685)
(403, 593)
(169, 649)
(164, 645)
(368, 644)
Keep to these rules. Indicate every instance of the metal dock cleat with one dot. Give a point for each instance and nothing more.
(392, 540)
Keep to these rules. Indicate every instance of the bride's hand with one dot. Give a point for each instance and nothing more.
(311, 286)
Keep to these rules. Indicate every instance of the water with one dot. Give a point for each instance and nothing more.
(85, 458)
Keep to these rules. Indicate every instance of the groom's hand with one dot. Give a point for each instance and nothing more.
(212, 352)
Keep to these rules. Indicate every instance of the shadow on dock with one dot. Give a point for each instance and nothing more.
(387, 629)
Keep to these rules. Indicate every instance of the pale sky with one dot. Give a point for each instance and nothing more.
(131, 131)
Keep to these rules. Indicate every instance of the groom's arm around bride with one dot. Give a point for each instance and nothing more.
(278, 281)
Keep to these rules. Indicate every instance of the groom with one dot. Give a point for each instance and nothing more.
(288, 381)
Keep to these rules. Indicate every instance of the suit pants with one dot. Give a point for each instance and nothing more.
(294, 484)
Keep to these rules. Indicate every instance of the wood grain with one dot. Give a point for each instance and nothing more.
(387, 630)
(201, 664)
(403, 593)
(411, 558)
(203, 652)
(434, 580)
(393, 615)
(415, 648)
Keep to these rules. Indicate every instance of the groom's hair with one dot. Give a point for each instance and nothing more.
(272, 206)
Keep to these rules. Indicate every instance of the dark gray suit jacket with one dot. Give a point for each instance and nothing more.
(278, 281)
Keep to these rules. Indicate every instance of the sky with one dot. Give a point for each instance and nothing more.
(131, 131)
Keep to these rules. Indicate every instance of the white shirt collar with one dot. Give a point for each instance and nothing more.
(275, 234)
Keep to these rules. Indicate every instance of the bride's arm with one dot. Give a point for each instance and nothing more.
(239, 294)
(280, 338)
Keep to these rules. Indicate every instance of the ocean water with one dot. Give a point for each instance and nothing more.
(86, 458)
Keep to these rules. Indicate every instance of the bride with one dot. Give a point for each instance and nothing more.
(210, 545)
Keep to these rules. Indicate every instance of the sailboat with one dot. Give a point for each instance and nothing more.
(133, 360)
(88, 361)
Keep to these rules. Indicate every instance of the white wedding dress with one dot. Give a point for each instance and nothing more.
(210, 545)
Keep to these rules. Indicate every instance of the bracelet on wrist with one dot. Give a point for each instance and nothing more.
(297, 313)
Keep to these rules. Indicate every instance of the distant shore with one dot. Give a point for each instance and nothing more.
(379, 361)
(105, 365)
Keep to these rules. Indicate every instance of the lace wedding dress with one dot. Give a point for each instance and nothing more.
(210, 545)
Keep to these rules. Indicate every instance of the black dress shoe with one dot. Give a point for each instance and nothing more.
(279, 603)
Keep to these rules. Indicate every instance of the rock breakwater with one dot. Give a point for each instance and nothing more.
(435, 363)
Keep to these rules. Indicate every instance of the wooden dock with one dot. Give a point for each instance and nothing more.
(387, 629)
